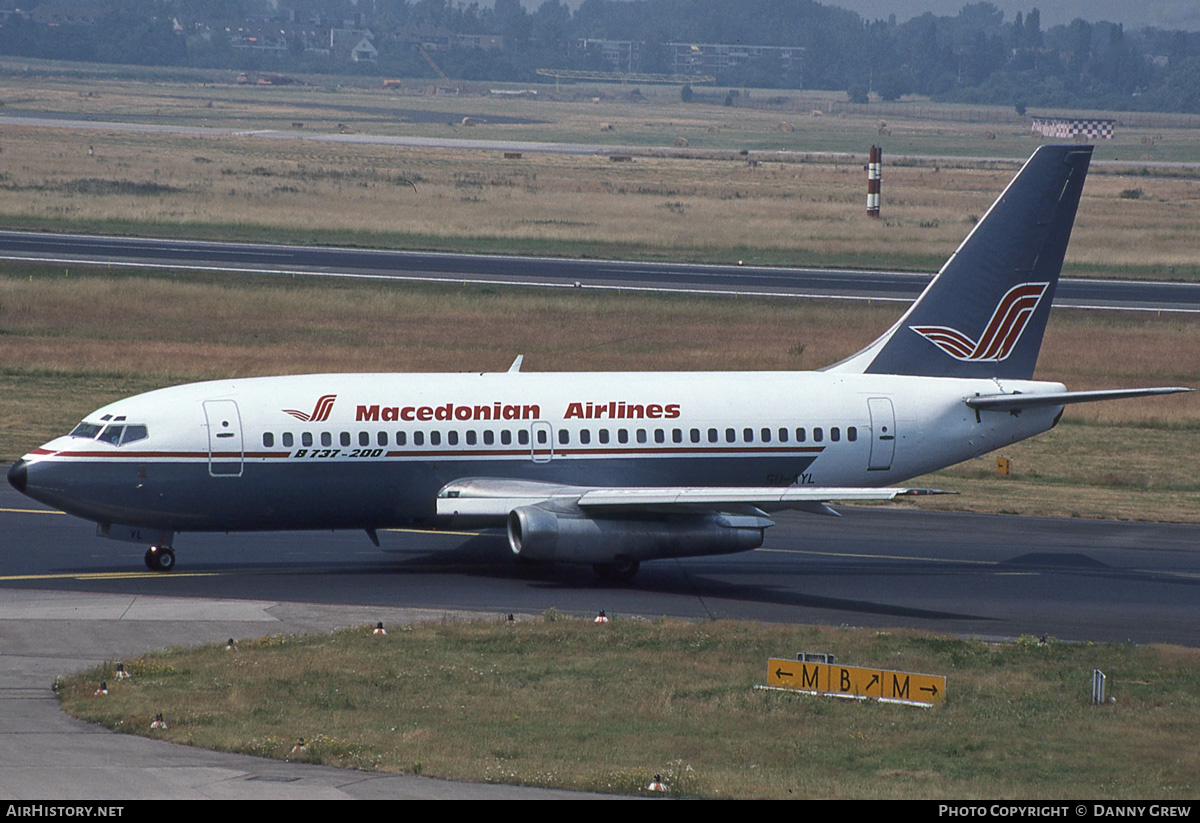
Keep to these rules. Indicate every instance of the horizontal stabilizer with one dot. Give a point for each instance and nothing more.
(1013, 402)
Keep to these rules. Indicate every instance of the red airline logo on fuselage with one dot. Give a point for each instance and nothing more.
(320, 412)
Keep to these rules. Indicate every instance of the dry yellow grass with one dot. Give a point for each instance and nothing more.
(665, 207)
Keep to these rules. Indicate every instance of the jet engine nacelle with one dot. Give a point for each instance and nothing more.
(570, 536)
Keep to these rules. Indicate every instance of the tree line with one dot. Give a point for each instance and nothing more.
(975, 56)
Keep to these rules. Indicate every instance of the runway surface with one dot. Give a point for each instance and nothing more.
(72, 600)
(260, 258)
(988, 576)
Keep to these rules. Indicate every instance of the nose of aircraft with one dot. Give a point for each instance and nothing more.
(18, 475)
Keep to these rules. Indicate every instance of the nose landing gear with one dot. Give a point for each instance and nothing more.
(160, 558)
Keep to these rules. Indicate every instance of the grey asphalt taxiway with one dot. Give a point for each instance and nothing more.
(71, 599)
(544, 272)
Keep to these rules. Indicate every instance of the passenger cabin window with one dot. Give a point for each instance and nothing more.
(585, 436)
(326, 439)
(852, 433)
(401, 438)
(452, 438)
(306, 439)
(564, 437)
(288, 440)
(489, 438)
(523, 437)
(818, 434)
(835, 434)
(382, 439)
(435, 438)
(364, 438)
(344, 439)
(268, 439)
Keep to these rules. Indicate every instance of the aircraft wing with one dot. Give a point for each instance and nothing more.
(496, 497)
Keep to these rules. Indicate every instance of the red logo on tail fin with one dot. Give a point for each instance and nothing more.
(1001, 333)
(320, 411)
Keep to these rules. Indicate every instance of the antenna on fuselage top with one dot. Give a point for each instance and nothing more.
(516, 364)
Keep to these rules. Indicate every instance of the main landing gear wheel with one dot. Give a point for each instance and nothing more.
(622, 570)
(160, 558)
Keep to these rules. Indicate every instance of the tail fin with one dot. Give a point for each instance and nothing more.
(985, 312)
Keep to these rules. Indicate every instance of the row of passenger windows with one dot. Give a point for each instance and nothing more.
(505, 437)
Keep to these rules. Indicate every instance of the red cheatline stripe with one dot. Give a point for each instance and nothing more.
(522, 452)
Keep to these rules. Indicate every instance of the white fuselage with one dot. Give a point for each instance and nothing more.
(375, 448)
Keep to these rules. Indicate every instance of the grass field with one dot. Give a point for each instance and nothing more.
(562, 702)
(706, 202)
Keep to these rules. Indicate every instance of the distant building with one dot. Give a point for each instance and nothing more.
(352, 44)
(718, 58)
(66, 14)
(487, 42)
(427, 37)
(621, 55)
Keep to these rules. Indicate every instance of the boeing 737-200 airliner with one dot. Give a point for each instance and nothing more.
(607, 469)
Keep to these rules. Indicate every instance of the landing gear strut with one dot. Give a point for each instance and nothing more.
(160, 558)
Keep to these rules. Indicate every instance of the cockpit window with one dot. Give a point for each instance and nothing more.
(111, 434)
(134, 433)
(114, 433)
(86, 430)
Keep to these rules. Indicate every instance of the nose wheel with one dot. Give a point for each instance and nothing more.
(160, 558)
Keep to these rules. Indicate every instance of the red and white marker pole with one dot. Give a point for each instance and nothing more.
(874, 180)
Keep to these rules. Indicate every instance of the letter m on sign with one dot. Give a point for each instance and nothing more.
(808, 680)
